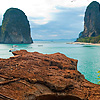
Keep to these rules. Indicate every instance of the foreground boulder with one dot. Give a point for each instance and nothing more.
(15, 27)
(91, 32)
(36, 76)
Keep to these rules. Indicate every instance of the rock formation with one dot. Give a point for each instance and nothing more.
(91, 24)
(15, 27)
(36, 76)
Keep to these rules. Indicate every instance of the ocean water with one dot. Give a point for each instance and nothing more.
(88, 56)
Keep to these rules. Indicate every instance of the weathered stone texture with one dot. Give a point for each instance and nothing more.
(36, 76)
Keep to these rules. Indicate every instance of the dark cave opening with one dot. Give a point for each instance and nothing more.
(56, 97)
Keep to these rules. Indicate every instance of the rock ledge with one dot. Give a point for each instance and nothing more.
(36, 76)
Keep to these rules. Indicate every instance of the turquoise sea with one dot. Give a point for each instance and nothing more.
(88, 56)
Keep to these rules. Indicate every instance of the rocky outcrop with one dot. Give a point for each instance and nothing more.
(91, 23)
(36, 76)
(15, 27)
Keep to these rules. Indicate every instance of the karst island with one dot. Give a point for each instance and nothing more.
(15, 28)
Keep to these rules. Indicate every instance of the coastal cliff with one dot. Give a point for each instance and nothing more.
(15, 27)
(91, 31)
(36, 76)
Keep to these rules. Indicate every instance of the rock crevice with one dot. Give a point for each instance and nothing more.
(32, 76)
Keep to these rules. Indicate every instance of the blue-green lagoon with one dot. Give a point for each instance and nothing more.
(88, 56)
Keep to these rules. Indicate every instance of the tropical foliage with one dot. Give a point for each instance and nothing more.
(98, 77)
(90, 39)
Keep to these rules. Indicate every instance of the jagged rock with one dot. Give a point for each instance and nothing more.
(15, 27)
(36, 76)
(91, 23)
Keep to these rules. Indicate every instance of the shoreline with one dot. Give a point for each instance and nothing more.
(84, 43)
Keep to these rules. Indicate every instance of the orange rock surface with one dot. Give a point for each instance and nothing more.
(36, 76)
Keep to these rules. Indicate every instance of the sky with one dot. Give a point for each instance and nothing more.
(51, 19)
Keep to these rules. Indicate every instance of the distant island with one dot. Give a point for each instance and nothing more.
(91, 33)
(15, 27)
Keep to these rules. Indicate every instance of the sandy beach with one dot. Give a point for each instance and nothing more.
(83, 43)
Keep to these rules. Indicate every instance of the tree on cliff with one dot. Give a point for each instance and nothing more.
(91, 31)
(15, 27)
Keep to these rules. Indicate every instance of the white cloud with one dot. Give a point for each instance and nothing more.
(32, 8)
(83, 23)
(39, 36)
(81, 15)
(54, 35)
(40, 22)
(41, 8)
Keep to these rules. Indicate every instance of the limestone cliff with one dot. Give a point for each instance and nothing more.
(36, 76)
(15, 27)
(91, 24)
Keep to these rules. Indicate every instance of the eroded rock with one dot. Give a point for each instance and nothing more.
(36, 76)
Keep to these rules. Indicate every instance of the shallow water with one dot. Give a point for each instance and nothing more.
(88, 56)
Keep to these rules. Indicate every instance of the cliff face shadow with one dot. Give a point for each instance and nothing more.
(55, 97)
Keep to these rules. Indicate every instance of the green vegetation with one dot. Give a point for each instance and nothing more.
(15, 27)
(98, 77)
(89, 39)
(4, 24)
